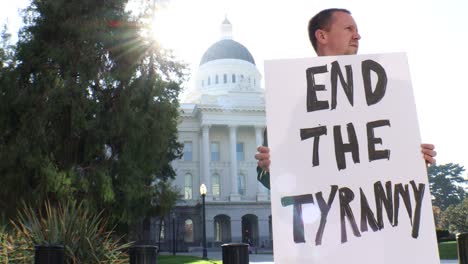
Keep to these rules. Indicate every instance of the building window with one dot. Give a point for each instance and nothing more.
(240, 151)
(222, 228)
(209, 81)
(162, 230)
(241, 184)
(233, 78)
(255, 83)
(225, 78)
(216, 79)
(202, 83)
(215, 151)
(188, 187)
(188, 228)
(188, 150)
(215, 186)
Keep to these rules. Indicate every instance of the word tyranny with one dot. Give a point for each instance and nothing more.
(387, 198)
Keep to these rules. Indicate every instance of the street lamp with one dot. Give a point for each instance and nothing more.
(203, 194)
(173, 234)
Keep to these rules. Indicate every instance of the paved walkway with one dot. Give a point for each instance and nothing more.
(268, 258)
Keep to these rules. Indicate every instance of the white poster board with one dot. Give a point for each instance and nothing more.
(348, 181)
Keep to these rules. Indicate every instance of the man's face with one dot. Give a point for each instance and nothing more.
(342, 37)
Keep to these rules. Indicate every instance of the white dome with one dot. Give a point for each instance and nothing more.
(227, 76)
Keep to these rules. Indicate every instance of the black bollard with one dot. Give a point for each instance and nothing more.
(235, 253)
(143, 254)
(49, 254)
(462, 242)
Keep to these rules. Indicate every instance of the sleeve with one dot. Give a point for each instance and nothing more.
(263, 176)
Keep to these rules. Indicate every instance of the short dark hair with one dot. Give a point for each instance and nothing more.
(321, 21)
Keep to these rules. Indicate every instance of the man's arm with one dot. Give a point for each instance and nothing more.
(263, 176)
(263, 164)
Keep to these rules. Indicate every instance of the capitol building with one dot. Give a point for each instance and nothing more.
(222, 123)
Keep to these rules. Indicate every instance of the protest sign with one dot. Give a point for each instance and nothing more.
(348, 180)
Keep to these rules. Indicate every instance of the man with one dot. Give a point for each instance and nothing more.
(332, 32)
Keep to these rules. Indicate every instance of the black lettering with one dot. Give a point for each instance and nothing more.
(347, 85)
(367, 216)
(313, 104)
(372, 141)
(298, 223)
(402, 192)
(346, 196)
(418, 196)
(324, 210)
(373, 97)
(315, 132)
(385, 199)
(341, 148)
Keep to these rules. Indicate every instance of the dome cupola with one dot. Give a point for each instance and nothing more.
(227, 75)
(227, 49)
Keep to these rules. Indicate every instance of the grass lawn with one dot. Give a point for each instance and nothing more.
(165, 259)
(448, 250)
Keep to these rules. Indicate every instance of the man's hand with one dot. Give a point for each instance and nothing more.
(263, 157)
(429, 153)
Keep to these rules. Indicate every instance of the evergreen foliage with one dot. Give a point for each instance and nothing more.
(455, 217)
(88, 110)
(445, 184)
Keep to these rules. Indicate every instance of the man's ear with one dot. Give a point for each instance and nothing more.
(321, 36)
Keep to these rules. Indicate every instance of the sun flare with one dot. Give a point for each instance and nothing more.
(163, 28)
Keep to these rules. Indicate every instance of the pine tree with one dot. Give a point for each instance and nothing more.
(89, 111)
(445, 184)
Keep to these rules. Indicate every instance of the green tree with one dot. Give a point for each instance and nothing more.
(88, 111)
(455, 217)
(445, 183)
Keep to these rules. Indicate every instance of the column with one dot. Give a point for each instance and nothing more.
(206, 161)
(232, 143)
(258, 135)
(262, 192)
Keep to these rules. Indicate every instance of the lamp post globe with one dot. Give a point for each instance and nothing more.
(203, 189)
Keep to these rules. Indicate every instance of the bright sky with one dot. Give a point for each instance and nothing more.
(432, 32)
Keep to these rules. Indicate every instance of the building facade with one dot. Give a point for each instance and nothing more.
(222, 123)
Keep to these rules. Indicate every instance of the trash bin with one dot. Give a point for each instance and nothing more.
(49, 254)
(235, 253)
(143, 254)
(462, 242)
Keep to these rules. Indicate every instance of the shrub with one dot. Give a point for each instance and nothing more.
(444, 235)
(83, 234)
(14, 249)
